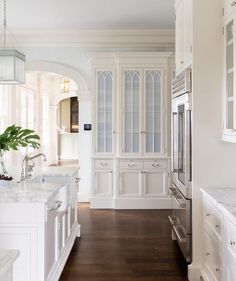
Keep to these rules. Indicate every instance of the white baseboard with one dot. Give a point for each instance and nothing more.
(142, 203)
(194, 272)
(83, 197)
(130, 203)
(101, 203)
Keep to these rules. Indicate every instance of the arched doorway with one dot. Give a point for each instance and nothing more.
(85, 107)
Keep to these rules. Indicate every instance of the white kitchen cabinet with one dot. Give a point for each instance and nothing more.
(103, 183)
(183, 34)
(229, 93)
(143, 178)
(219, 241)
(143, 108)
(104, 112)
(137, 106)
(44, 231)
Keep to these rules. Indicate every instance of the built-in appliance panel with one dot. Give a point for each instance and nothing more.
(213, 219)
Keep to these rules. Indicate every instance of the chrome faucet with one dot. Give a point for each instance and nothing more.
(27, 168)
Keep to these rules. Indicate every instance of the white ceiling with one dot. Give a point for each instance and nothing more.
(90, 14)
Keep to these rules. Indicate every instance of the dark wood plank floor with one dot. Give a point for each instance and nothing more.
(124, 245)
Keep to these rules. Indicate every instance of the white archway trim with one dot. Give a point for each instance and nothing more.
(58, 98)
(80, 79)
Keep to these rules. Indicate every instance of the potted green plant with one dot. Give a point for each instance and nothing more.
(13, 138)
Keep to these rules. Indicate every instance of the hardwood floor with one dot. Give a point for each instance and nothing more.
(124, 245)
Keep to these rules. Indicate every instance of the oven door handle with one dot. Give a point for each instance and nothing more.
(188, 146)
(180, 204)
(181, 238)
(174, 141)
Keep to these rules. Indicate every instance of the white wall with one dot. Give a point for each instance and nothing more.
(85, 150)
(214, 161)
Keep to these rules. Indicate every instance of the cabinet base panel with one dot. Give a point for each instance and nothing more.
(130, 203)
(194, 273)
(57, 270)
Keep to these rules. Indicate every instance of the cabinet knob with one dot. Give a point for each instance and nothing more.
(208, 254)
(182, 62)
(232, 243)
(233, 4)
(113, 132)
(217, 270)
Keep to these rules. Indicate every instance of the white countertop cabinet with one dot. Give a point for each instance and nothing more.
(130, 160)
(41, 227)
(219, 235)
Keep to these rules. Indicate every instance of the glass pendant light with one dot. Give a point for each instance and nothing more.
(12, 62)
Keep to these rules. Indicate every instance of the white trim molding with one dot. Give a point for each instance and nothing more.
(87, 38)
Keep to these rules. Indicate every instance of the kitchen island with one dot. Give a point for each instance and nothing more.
(39, 218)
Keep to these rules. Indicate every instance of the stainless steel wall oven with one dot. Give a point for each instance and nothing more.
(181, 189)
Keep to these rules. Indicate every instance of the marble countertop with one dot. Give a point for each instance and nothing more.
(7, 258)
(224, 199)
(41, 192)
(28, 192)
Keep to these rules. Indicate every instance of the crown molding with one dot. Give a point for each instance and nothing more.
(138, 38)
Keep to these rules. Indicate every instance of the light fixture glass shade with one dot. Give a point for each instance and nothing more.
(12, 67)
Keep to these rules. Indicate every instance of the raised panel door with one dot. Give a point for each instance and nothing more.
(103, 183)
(130, 184)
(155, 183)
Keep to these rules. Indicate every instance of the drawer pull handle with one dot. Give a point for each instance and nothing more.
(103, 164)
(208, 215)
(155, 165)
(233, 4)
(232, 243)
(131, 165)
(217, 270)
(208, 254)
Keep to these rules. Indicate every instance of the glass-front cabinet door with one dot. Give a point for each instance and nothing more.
(153, 111)
(132, 112)
(229, 123)
(104, 112)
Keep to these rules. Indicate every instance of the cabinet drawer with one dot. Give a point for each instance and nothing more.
(231, 238)
(212, 259)
(155, 164)
(229, 7)
(134, 165)
(213, 219)
(103, 164)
